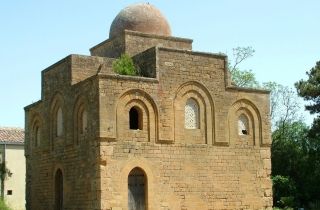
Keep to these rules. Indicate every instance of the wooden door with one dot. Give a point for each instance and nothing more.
(137, 190)
(58, 190)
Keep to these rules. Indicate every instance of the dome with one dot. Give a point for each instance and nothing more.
(141, 17)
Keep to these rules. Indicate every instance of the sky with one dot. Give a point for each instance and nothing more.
(35, 34)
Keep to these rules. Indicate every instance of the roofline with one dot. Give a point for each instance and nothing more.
(33, 104)
(172, 38)
(252, 90)
(11, 143)
(214, 55)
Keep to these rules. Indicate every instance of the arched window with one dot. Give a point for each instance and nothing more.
(37, 136)
(135, 118)
(137, 190)
(58, 204)
(191, 114)
(83, 121)
(243, 125)
(59, 122)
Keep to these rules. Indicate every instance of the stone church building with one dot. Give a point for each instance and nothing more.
(179, 136)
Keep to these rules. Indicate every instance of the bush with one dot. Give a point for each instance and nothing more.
(3, 205)
(125, 66)
(283, 190)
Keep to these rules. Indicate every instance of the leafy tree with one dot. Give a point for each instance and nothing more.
(284, 104)
(242, 78)
(125, 66)
(309, 90)
(4, 174)
(284, 190)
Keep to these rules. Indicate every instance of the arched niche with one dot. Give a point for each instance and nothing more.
(136, 102)
(57, 118)
(244, 124)
(36, 132)
(80, 120)
(148, 170)
(203, 131)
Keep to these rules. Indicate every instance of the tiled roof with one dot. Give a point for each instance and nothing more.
(11, 135)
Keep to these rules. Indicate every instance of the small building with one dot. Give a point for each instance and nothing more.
(12, 156)
(177, 136)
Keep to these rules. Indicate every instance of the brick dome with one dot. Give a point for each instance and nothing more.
(140, 17)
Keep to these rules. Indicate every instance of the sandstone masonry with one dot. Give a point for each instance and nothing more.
(179, 137)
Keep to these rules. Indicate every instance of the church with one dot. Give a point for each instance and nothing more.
(177, 136)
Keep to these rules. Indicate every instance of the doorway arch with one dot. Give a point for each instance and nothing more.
(58, 194)
(137, 189)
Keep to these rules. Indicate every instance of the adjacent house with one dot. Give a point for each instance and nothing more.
(12, 158)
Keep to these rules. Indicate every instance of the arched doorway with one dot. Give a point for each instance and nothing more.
(137, 190)
(58, 185)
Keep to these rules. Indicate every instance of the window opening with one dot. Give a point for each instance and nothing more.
(59, 122)
(137, 190)
(191, 114)
(243, 125)
(37, 136)
(83, 122)
(135, 118)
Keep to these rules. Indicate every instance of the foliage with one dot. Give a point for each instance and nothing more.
(295, 149)
(283, 191)
(284, 104)
(4, 174)
(125, 66)
(309, 90)
(242, 78)
(4, 171)
(295, 155)
(3, 205)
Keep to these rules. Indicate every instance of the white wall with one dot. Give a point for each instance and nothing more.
(15, 162)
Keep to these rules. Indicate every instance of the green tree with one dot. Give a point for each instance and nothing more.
(4, 174)
(309, 90)
(242, 78)
(284, 104)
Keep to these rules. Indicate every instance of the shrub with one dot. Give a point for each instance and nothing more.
(125, 66)
(3, 205)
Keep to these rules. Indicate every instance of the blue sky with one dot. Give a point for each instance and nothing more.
(35, 34)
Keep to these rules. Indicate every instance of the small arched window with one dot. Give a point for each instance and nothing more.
(59, 122)
(37, 136)
(243, 125)
(135, 118)
(191, 114)
(83, 121)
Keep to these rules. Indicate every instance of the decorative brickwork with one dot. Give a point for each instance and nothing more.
(174, 131)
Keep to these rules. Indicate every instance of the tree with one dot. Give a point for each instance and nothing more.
(284, 104)
(4, 174)
(242, 78)
(309, 90)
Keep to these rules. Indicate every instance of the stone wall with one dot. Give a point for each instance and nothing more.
(209, 167)
(188, 176)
